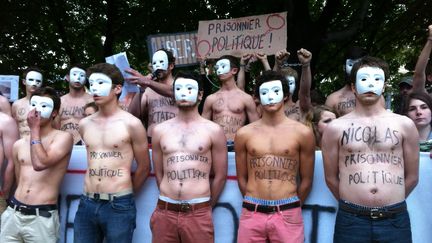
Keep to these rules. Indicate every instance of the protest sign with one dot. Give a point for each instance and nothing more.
(9, 86)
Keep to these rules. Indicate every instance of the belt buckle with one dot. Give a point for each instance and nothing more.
(375, 213)
(185, 207)
(96, 196)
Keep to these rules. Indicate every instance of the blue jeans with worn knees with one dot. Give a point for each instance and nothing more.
(98, 219)
(354, 228)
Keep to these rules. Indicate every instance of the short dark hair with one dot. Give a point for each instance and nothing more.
(190, 75)
(234, 62)
(268, 76)
(170, 55)
(51, 93)
(369, 61)
(77, 65)
(355, 52)
(419, 95)
(91, 105)
(29, 69)
(108, 69)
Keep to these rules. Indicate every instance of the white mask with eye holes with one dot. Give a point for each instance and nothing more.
(34, 78)
(42, 104)
(186, 89)
(370, 79)
(349, 63)
(77, 75)
(222, 66)
(100, 84)
(291, 84)
(160, 61)
(271, 92)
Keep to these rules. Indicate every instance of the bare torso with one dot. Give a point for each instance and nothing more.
(186, 158)
(71, 112)
(109, 152)
(229, 110)
(20, 109)
(292, 110)
(272, 159)
(371, 162)
(160, 109)
(38, 187)
(342, 101)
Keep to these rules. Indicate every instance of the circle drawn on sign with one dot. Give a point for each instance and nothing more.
(198, 48)
(275, 22)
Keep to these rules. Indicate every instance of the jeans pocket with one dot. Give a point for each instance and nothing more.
(292, 216)
(401, 221)
(123, 203)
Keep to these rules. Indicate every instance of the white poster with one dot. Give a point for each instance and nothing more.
(9, 86)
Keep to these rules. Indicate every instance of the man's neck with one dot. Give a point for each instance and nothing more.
(167, 80)
(273, 118)
(45, 129)
(188, 114)
(76, 92)
(109, 108)
(424, 132)
(229, 84)
(369, 109)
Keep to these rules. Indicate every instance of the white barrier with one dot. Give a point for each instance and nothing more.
(319, 210)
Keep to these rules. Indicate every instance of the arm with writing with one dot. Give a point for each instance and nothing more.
(241, 160)
(41, 157)
(330, 155)
(219, 164)
(10, 136)
(157, 155)
(141, 153)
(411, 150)
(305, 58)
(419, 77)
(306, 164)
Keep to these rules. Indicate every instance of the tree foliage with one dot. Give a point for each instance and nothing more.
(52, 34)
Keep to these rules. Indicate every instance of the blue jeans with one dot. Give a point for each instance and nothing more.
(354, 228)
(98, 219)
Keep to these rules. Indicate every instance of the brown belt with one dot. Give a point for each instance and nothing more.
(182, 207)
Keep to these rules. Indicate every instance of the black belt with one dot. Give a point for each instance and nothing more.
(182, 207)
(42, 210)
(373, 213)
(270, 209)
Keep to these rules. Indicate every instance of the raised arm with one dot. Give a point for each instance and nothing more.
(146, 81)
(141, 154)
(44, 157)
(219, 164)
(330, 155)
(419, 78)
(410, 156)
(241, 160)
(305, 58)
(263, 59)
(306, 164)
(241, 77)
(280, 57)
(10, 136)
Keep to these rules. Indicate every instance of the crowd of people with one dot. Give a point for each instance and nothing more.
(370, 153)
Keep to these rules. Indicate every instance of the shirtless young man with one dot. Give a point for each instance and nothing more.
(72, 108)
(230, 106)
(157, 103)
(271, 155)
(186, 150)
(32, 79)
(8, 136)
(343, 100)
(41, 161)
(113, 138)
(371, 163)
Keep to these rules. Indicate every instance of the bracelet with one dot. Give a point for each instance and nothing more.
(33, 142)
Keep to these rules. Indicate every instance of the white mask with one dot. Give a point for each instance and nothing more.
(291, 84)
(42, 104)
(222, 66)
(77, 75)
(271, 92)
(186, 90)
(370, 79)
(34, 78)
(100, 84)
(160, 61)
(349, 63)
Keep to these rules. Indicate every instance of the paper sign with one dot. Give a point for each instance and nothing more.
(120, 60)
(261, 33)
(9, 86)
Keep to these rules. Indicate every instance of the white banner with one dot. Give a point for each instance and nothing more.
(319, 210)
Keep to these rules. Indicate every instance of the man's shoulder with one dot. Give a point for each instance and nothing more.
(20, 102)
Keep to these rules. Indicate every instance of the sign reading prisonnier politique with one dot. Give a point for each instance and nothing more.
(261, 33)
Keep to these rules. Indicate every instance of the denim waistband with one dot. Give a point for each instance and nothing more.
(48, 207)
(367, 208)
(271, 202)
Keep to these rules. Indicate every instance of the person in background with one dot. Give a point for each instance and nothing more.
(90, 108)
(322, 115)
